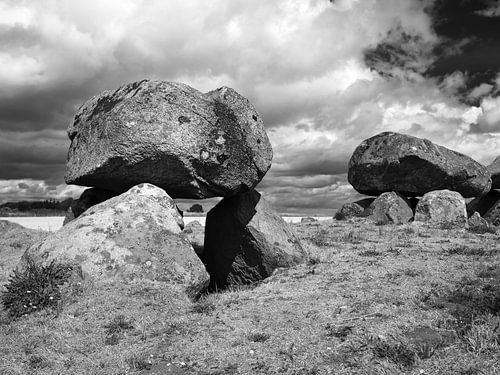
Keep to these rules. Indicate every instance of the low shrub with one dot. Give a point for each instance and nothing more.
(35, 287)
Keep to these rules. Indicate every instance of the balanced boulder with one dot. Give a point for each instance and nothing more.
(90, 197)
(245, 241)
(413, 166)
(442, 208)
(136, 235)
(390, 208)
(193, 145)
(494, 169)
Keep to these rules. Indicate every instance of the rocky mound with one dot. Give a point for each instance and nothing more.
(192, 145)
(413, 166)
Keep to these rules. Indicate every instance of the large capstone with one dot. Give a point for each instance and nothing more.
(136, 235)
(246, 240)
(413, 166)
(191, 144)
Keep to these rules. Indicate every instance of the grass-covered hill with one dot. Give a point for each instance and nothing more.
(371, 300)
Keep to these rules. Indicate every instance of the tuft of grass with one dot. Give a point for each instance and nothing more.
(321, 238)
(115, 328)
(483, 336)
(370, 253)
(35, 287)
(395, 351)
(469, 251)
(258, 337)
(204, 305)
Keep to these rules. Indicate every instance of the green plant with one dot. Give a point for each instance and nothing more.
(258, 337)
(115, 328)
(469, 251)
(397, 352)
(35, 286)
(204, 305)
(321, 238)
(370, 253)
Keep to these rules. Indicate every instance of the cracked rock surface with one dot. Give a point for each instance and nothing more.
(191, 144)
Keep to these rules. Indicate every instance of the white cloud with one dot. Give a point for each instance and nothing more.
(29, 189)
(300, 62)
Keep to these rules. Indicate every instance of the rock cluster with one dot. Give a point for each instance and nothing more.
(415, 179)
(146, 143)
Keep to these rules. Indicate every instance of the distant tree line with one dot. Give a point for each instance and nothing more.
(48, 207)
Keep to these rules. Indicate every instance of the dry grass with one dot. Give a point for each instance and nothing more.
(370, 300)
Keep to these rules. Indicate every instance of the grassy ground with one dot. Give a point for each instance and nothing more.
(371, 300)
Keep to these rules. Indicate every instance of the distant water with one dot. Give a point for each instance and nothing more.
(53, 223)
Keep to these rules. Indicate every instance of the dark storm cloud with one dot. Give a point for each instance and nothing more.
(468, 42)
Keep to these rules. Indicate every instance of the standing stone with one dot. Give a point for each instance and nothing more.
(413, 166)
(353, 209)
(390, 208)
(190, 144)
(494, 169)
(442, 208)
(90, 197)
(136, 235)
(245, 241)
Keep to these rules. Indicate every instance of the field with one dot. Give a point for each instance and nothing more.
(370, 300)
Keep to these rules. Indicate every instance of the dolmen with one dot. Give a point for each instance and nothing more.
(146, 143)
(414, 179)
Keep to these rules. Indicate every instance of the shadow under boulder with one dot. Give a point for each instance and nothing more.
(246, 240)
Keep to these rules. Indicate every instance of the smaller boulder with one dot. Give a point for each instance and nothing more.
(494, 169)
(353, 209)
(390, 208)
(90, 197)
(135, 235)
(443, 208)
(478, 224)
(194, 232)
(308, 220)
(246, 240)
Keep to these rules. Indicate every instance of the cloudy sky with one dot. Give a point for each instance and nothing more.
(324, 75)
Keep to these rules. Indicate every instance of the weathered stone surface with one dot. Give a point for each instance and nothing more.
(390, 208)
(353, 209)
(442, 208)
(494, 169)
(195, 234)
(483, 203)
(193, 145)
(413, 166)
(476, 221)
(134, 235)
(90, 197)
(245, 241)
